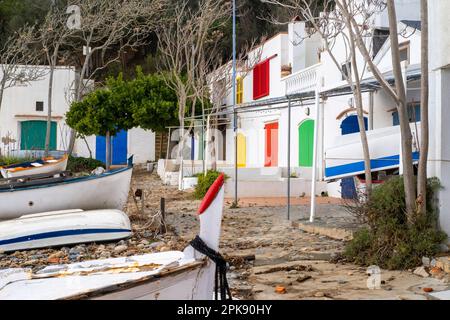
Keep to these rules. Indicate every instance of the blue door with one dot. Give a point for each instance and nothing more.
(348, 189)
(350, 125)
(119, 148)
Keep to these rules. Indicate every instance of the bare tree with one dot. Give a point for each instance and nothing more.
(186, 45)
(424, 132)
(332, 26)
(54, 37)
(106, 30)
(19, 60)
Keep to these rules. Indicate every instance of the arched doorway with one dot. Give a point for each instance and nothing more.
(241, 150)
(350, 125)
(306, 143)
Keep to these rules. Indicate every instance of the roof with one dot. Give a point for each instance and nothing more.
(415, 24)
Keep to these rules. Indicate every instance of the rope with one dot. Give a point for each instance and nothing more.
(220, 282)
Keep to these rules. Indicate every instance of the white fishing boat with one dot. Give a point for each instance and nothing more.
(39, 166)
(166, 275)
(58, 228)
(108, 190)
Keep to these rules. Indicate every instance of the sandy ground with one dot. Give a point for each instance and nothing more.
(265, 251)
(263, 248)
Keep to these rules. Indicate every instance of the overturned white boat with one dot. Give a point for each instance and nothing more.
(166, 275)
(64, 227)
(108, 190)
(39, 166)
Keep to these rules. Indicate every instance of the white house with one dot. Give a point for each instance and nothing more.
(289, 72)
(23, 117)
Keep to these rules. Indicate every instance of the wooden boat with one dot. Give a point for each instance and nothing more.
(58, 228)
(108, 190)
(39, 166)
(166, 275)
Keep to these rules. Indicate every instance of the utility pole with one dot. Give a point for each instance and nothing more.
(234, 109)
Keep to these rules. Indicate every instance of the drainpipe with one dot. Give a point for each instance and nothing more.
(315, 151)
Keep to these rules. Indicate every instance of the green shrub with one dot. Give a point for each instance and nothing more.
(80, 164)
(8, 160)
(204, 182)
(388, 240)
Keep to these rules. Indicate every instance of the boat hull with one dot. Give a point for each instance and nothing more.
(108, 191)
(63, 228)
(58, 166)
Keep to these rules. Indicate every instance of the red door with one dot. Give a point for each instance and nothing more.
(271, 158)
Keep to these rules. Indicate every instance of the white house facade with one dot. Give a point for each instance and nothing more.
(23, 117)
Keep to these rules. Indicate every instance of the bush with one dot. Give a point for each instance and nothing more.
(388, 240)
(204, 182)
(8, 160)
(80, 164)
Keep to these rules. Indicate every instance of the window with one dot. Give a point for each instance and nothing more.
(261, 80)
(379, 38)
(346, 70)
(413, 114)
(39, 106)
(404, 52)
(239, 90)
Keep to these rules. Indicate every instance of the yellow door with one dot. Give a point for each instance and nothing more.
(242, 150)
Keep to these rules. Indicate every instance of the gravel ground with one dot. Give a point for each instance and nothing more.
(269, 257)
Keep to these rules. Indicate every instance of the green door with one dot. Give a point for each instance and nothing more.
(32, 135)
(306, 143)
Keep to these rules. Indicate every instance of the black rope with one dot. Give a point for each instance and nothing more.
(220, 282)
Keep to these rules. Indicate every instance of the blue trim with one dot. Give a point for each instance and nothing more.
(56, 234)
(74, 180)
(355, 167)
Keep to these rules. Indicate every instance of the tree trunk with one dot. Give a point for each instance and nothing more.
(108, 151)
(49, 111)
(408, 170)
(360, 113)
(424, 133)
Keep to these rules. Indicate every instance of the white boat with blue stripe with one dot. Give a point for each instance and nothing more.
(59, 228)
(107, 190)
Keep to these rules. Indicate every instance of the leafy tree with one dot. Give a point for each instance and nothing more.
(100, 113)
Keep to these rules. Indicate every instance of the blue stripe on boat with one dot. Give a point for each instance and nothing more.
(352, 168)
(56, 234)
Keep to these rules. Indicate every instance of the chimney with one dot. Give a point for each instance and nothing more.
(297, 44)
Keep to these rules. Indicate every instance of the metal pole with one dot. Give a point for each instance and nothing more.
(234, 108)
(289, 163)
(314, 168)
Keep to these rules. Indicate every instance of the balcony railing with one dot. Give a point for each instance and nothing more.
(302, 81)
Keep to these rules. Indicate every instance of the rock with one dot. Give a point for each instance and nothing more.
(164, 248)
(122, 242)
(140, 246)
(53, 260)
(157, 244)
(303, 278)
(57, 254)
(101, 247)
(105, 254)
(420, 271)
(319, 294)
(144, 242)
(443, 248)
(120, 248)
(2, 255)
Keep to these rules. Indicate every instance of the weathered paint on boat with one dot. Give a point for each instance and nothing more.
(32, 168)
(106, 191)
(62, 228)
(171, 275)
